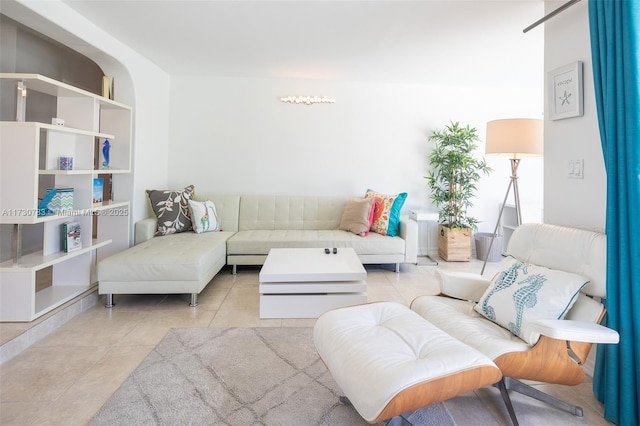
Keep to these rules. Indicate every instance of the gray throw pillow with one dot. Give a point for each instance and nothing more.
(172, 209)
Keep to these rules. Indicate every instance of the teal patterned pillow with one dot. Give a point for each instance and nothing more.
(525, 293)
(172, 209)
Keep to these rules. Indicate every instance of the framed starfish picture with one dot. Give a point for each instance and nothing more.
(565, 91)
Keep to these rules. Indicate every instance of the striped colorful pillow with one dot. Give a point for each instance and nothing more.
(386, 218)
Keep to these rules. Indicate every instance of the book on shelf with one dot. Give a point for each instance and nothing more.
(71, 236)
(98, 191)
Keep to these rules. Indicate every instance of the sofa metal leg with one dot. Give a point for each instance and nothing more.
(234, 269)
(194, 300)
(530, 391)
(397, 267)
(109, 303)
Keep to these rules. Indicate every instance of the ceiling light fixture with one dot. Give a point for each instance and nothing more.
(308, 100)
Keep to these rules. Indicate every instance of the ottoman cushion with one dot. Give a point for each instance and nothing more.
(388, 360)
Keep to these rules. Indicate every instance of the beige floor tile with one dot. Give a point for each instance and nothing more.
(247, 279)
(43, 373)
(145, 334)
(298, 322)
(242, 298)
(99, 336)
(182, 317)
(213, 299)
(386, 293)
(224, 279)
(68, 413)
(22, 413)
(104, 377)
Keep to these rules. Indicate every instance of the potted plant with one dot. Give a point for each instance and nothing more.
(452, 179)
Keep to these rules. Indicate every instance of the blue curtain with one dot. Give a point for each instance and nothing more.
(614, 27)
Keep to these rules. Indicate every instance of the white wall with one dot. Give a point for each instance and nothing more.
(139, 83)
(233, 135)
(573, 202)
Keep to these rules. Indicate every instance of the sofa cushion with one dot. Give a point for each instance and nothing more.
(356, 216)
(524, 293)
(203, 216)
(258, 212)
(387, 219)
(259, 242)
(171, 208)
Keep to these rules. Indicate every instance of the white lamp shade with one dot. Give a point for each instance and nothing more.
(515, 137)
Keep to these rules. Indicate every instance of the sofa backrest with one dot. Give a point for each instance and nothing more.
(290, 212)
(227, 209)
(567, 249)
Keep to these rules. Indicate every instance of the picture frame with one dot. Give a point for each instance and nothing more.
(565, 91)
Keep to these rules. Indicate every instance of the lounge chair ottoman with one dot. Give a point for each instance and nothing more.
(388, 360)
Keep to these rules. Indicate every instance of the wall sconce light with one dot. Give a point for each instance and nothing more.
(308, 100)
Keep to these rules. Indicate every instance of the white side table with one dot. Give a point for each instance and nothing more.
(425, 216)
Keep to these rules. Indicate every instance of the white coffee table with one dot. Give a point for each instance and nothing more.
(306, 282)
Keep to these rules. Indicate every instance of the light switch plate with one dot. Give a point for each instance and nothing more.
(575, 169)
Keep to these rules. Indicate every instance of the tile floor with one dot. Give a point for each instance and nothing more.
(64, 378)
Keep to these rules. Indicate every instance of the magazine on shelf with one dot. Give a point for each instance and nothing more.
(71, 236)
(98, 191)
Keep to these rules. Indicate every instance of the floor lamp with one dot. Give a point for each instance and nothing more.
(515, 138)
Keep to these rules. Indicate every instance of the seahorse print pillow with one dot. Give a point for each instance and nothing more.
(525, 293)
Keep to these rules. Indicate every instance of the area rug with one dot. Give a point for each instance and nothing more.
(237, 376)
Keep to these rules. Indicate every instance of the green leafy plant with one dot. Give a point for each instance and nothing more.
(454, 174)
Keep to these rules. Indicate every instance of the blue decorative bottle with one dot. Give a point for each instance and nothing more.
(106, 146)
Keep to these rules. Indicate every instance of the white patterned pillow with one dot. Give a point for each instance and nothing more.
(525, 293)
(203, 216)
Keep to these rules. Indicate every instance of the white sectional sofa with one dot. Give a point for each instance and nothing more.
(267, 222)
(249, 227)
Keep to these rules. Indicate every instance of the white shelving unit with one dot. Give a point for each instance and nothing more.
(29, 158)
